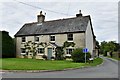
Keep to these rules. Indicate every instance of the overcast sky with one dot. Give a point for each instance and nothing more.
(104, 15)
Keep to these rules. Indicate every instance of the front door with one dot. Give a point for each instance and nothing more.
(49, 53)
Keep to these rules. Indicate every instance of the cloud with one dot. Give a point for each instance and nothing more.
(103, 14)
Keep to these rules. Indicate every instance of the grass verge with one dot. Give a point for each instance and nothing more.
(114, 58)
(32, 64)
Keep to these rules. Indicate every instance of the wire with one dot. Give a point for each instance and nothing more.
(68, 9)
(41, 8)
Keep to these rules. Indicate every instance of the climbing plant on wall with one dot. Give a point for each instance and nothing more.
(68, 44)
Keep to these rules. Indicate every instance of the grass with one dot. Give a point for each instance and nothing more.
(114, 58)
(32, 64)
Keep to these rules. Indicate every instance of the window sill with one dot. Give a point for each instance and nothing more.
(22, 42)
(40, 54)
(52, 41)
(70, 41)
(23, 53)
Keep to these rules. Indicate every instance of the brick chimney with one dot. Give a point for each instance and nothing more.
(79, 15)
(41, 17)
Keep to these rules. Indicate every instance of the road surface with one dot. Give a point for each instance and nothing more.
(109, 69)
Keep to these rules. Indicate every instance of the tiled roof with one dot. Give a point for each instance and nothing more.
(76, 24)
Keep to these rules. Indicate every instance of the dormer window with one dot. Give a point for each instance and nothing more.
(52, 38)
(70, 37)
(36, 38)
(23, 39)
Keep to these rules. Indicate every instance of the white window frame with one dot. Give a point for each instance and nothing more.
(51, 38)
(69, 52)
(22, 51)
(23, 39)
(36, 38)
(40, 52)
(68, 37)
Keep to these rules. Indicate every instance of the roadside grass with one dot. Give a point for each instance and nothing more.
(114, 58)
(33, 64)
(96, 62)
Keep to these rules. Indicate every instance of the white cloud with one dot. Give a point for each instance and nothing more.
(104, 15)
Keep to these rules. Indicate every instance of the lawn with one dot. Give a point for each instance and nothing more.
(33, 64)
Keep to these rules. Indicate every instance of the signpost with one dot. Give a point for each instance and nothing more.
(85, 50)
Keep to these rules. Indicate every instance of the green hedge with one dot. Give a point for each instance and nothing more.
(78, 55)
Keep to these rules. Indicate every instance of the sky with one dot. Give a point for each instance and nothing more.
(104, 14)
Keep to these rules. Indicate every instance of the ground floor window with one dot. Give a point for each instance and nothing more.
(40, 50)
(69, 51)
(23, 50)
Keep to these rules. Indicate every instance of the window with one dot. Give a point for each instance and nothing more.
(70, 37)
(23, 39)
(52, 37)
(36, 39)
(23, 50)
(69, 51)
(41, 50)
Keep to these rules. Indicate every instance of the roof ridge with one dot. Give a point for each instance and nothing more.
(58, 19)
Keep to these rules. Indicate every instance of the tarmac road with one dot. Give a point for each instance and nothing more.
(109, 69)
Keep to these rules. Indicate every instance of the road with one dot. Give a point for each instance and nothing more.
(109, 69)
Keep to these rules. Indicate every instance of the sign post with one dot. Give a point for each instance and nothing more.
(85, 50)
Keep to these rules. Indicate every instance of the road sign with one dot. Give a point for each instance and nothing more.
(85, 50)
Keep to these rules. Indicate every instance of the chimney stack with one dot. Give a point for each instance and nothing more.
(79, 15)
(41, 17)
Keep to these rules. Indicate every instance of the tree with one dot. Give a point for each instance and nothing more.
(108, 47)
(8, 45)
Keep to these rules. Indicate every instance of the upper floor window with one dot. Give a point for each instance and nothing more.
(41, 50)
(69, 51)
(36, 39)
(70, 37)
(52, 37)
(23, 39)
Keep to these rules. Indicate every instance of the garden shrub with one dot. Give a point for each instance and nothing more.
(78, 55)
(44, 57)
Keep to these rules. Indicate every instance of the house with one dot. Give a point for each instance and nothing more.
(55, 32)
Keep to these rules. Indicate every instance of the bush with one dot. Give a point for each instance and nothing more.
(78, 55)
(52, 57)
(44, 57)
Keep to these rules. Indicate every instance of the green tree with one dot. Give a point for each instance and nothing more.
(108, 47)
(8, 45)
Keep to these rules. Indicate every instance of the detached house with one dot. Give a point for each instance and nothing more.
(55, 32)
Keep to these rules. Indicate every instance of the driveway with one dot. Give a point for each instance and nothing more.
(109, 69)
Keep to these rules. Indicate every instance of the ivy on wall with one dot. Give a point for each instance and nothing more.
(68, 44)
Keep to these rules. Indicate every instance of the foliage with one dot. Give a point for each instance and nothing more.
(108, 47)
(31, 47)
(44, 57)
(8, 45)
(67, 44)
(59, 50)
(52, 57)
(79, 56)
(59, 53)
(43, 44)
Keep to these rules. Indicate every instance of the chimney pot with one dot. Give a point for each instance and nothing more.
(79, 15)
(41, 17)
